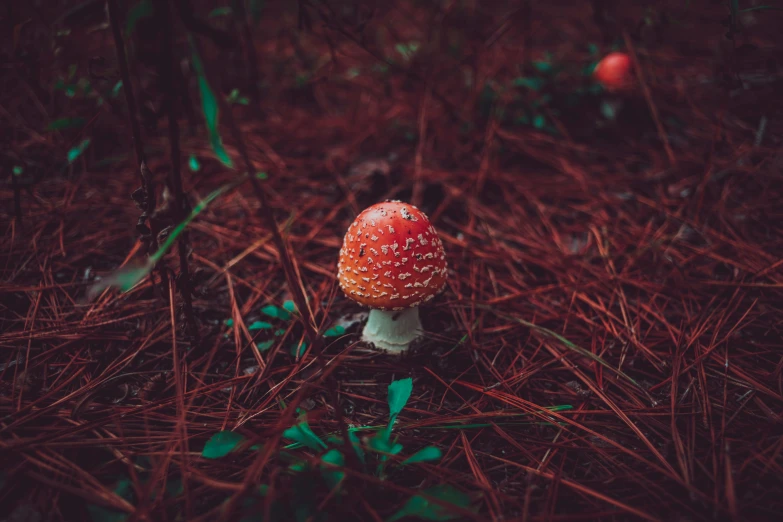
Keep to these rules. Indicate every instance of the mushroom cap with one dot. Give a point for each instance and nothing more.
(613, 72)
(391, 258)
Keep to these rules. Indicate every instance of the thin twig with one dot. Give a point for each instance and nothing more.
(648, 96)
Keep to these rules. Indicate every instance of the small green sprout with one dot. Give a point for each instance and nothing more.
(193, 163)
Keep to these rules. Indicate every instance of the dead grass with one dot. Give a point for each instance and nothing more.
(586, 270)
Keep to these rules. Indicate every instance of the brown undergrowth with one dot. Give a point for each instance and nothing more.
(638, 291)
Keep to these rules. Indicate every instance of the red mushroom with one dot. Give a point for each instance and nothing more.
(614, 72)
(392, 260)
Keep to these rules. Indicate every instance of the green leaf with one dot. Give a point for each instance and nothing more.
(123, 489)
(221, 444)
(399, 393)
(77, 151)
(279, 332)
(357, 446)
(193, 163)
(329, 459)
(543, 67)
(299, 466)
(276, 312)
(290, 306)
(136, 13)
(301, 349)
(539, 122)
(229, 322)
(18, 169)
(534, 84)
(65, 123)
(334, 440)
(421, 507)
(609, 110)
(589, 68)
(124, 278)
(209, 105)
(381, 443)
(407, 50)
(220, 11)
(70, 90)
(334, 331)
(259, 325)
(302, 434)
(261, 175)
(85, 84)
(115, 91)
(424, 455)
(264, 346)
(234, 97)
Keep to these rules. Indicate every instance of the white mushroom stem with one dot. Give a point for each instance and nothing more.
(391, 330)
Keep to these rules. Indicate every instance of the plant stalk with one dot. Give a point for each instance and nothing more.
(167, 65)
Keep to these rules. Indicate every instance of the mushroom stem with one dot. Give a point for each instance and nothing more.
(392, 331)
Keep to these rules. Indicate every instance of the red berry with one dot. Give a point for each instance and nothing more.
(614, 72)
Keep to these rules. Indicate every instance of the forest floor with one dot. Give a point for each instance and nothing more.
(608, 346)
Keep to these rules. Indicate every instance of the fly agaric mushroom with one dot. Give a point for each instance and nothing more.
(392, 260)
(614, 72)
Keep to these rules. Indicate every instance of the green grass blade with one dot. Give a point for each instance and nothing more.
(209, 105)
(78, 150)
(565, 342)
(141, 10)
(221, 444)
(127, 277)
